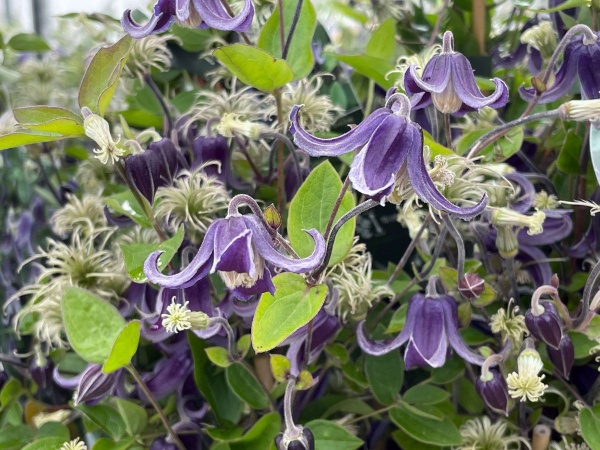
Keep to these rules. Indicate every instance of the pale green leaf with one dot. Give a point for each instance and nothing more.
(246, 386)
(331, 436)
(425, 424)
(382, 43)
(124, 347)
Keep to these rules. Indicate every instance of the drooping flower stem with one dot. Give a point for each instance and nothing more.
(365, 206)
(168, 126)
(447, 130)
(230, 335)
(509, 264)
(141, 201)
(282, 138)
(589, 36)
(408, 251)
(138, 379)
(294, 24)
(587, 296)
(460, 245)
(499, 131)
(290, 427)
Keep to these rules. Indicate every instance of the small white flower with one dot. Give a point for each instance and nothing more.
(177, 318)
(526, 383)
(97, 128)
(582, 110)
(503, 217)
(543, 200)
(75, 444)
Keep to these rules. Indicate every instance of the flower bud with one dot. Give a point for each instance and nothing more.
(563, 357)
(306, 441)
(506, 242)
(544, 324)
(492, 389)
(94, 384)
(471, 285)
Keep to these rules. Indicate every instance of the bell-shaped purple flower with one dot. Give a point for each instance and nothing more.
(563, 357)
(431, 326)
(544, 323)
(94, 384)
(581, 58)
(240, 248)
(448, 82)
(493, 390)
(168, 374)
(304, 442)
(153, 168)
(389, 140)
(191, 13)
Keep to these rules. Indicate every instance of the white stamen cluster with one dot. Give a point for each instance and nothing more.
(177, 317)
(75, 444)
(543, 200)
(509, 324)
(582, 110)
(526, 383)
(505, 217)
(481, 434)
(231, 124)
(542, 37)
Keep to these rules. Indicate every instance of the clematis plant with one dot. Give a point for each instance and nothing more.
(389, 141)
(191, 13)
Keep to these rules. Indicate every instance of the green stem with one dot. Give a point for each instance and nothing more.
(138, 379)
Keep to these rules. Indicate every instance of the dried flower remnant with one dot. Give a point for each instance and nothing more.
(150, 52)
(481, 434)
(80, 215)
(98, 129)
(509, 324)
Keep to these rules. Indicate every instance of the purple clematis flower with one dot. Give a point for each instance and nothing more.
(240, 248)
(389, 140)
(448, 82)
(581, 58)
(431, 326)
(191, 13)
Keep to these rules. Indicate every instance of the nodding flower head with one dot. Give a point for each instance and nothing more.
(389, 141)
(448, 82)
(98, 129)
(190, 13)
(241, 249)
(431, 326)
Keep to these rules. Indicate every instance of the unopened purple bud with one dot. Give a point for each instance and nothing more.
(493, 391)
(471, 285)
(42, 375)
(304, 442)
(544, 324)
(95, 384)
(564, 357)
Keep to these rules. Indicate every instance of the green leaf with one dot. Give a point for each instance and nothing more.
(331, 436)
(135, 255)
(218, 356)
(280, 367)
(100, 79)
(582, 344)
(124, 203)
(50, 119)
(293, 306)
(28, 42)
(568, 158)
(246, 386)
(311, 207)
(300, 54)
(382, 43)
(385, 374)
(48, 443)
(105, 417)
(124, 347)
(259, 437)
(255, 67)
(500, 150)
(211, 382)
(15, 437)
(567, 4)
(425, 425)
(424, 394)
(589, 420)
(434, 147)
(398, 320)
(448, 277)
(55, 430)
(405, 441)
(92, 325)
(373, 68)
(109, 444)
(134, 416)
(10, 391)
(27, 137)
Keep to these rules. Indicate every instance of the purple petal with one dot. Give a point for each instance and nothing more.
(467, 89)
(587, 68)
(233, 250)
(525, 200)
(374, 169)
(345, 143)
(215, 15)
(264, 245)
(456, 342)
(156, 24)
(436, 76)
(182, 10)
(426, 189)
(65, 382)
(168, 374)
(535, 262)
(428, 337)
(557, 226)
